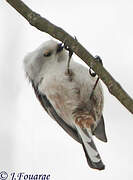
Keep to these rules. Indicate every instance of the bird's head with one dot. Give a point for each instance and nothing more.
(44, 56)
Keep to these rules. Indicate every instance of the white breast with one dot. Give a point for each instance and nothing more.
(66, 95)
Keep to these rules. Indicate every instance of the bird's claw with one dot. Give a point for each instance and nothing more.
(93, 74)
(98, 59)
(69, 49)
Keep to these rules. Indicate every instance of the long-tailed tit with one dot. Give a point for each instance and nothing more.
(67, 100)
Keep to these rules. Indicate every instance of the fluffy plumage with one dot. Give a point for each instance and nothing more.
(67, 100)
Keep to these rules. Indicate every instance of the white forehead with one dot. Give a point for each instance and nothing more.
(48, 45)
(34, 61)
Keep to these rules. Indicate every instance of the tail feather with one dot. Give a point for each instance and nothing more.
(95, 165)
(91, 152)
(99, 132)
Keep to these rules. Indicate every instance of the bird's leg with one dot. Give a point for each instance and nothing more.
(97, 58)
(68, 72)
(69, 59)
(94, 87)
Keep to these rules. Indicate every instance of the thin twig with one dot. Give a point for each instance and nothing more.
(44, 25)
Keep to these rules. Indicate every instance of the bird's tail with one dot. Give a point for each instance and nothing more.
(91, 152)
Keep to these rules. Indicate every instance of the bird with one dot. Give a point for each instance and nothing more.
(65, 96)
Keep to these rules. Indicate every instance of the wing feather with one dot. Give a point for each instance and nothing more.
(53, 114)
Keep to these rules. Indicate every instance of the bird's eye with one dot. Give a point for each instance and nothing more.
(47, 54)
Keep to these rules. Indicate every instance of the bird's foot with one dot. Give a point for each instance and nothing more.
(93, 74)
(69, 59)
(98, 59)
(70, 55)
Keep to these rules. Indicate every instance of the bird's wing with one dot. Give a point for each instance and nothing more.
(91, 152)
(99, 131)
(53, 114)
(82, 135)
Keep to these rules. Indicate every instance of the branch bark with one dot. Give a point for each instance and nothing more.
(44, 25)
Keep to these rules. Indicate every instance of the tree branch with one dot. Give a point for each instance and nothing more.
(44, 25)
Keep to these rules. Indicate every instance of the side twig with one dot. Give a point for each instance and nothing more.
(44, 25)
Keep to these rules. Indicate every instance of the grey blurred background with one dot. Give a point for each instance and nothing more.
(29, 140)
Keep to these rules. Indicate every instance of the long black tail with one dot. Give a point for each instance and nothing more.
(91, 152)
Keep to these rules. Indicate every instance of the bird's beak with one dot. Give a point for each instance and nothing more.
(60, 47)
